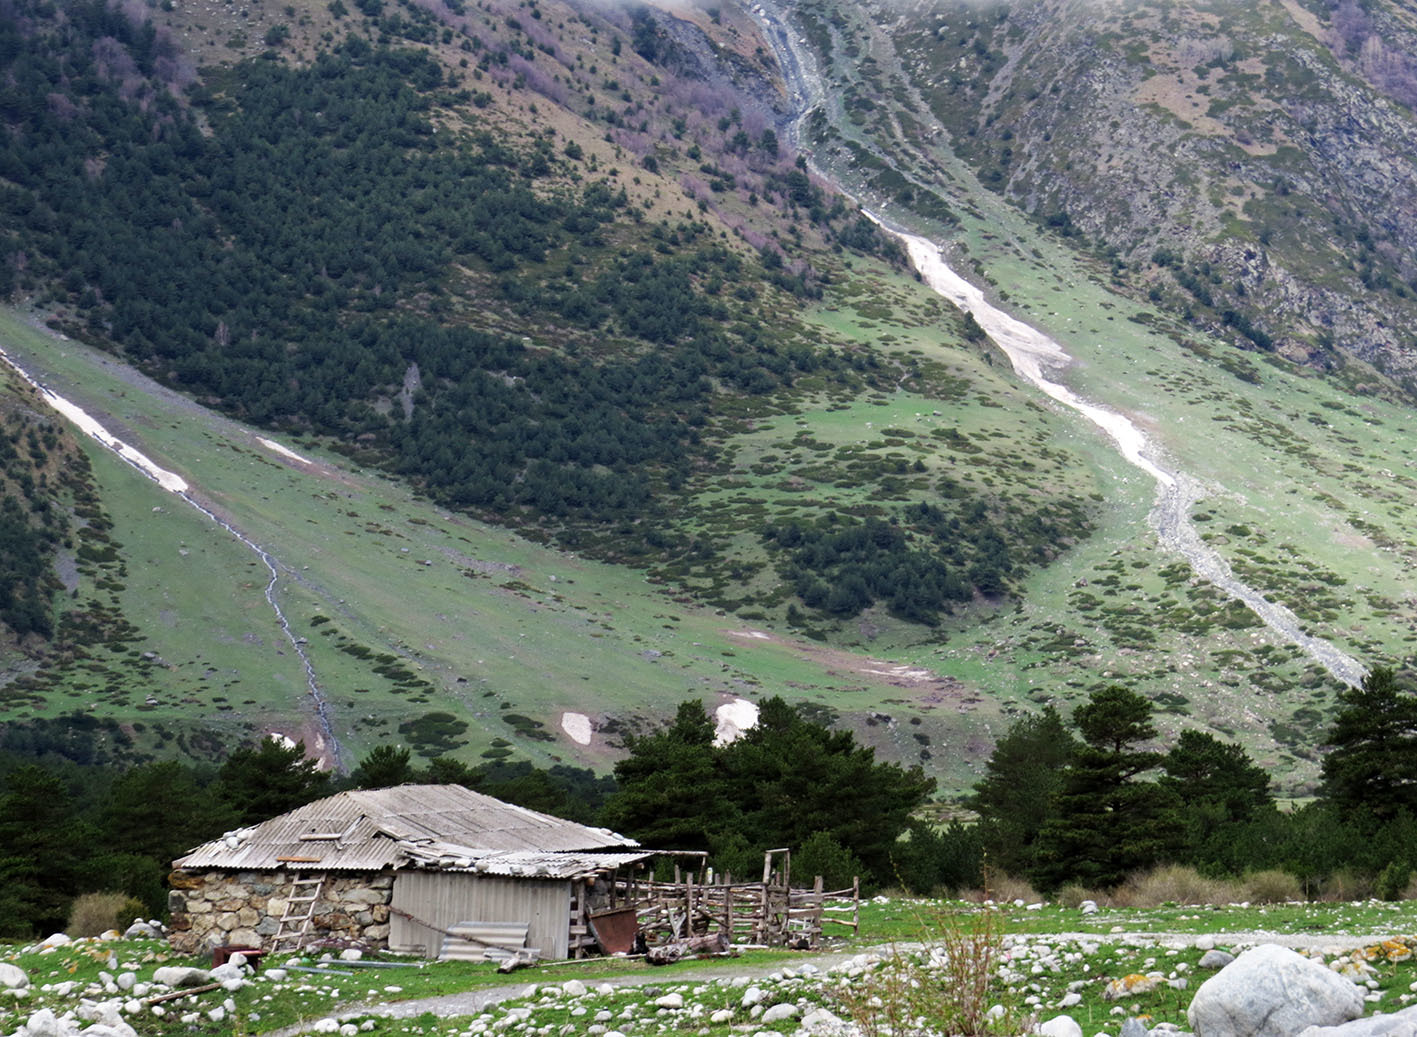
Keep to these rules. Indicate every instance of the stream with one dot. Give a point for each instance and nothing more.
(175, 484)
(1034, 355)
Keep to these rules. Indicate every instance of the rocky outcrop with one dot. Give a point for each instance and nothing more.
(243, 909)
(1239, 176)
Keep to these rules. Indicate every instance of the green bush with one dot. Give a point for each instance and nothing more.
(1392, 881)
(822, 855)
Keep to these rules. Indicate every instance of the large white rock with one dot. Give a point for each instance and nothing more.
(1272, 992)
(43, 1024)
(1398, 1024)
(12, 976)
(777, 1013)
(1060, 1026)
(181, 976)
(225, 971)
(107, 1030)
(824, 1022)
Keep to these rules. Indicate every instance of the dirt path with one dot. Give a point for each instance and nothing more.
(474, 1002)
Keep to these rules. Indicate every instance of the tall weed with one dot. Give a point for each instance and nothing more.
(1172, 884)
(1270, 887)
(945, 987)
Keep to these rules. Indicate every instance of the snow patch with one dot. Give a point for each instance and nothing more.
(733, 718)
(1029, 350)
(577, 727)
(282, 740)
(170, 481)
(272, 445)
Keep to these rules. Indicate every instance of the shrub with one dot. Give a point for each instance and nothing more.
(1393, 881)
(95, 913)
(822, 855)
(1172, 884)
(1346, 884)
(1071, 896)
(1270, 887)
(1003, 889)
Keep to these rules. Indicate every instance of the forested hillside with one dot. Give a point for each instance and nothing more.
(529, 376)
(359, 247)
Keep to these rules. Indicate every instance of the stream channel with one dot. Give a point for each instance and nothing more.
(1034, 356)
(175, 484)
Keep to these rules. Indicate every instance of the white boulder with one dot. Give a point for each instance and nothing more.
(1060, 1026)
(13, 977)
(1398, 1024)
(1272, 992)
(778, 1013)
(181, 976)
(43, 1024)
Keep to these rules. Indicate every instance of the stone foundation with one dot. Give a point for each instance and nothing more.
(243, 909)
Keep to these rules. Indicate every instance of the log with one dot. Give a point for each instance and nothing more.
(187, 992)
(668, 953)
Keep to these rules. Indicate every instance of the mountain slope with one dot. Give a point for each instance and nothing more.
(1250, 165)
(558, 272)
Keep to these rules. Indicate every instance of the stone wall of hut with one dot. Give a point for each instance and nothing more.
(243, 909)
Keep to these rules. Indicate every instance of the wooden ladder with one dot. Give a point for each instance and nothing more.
(299, 909)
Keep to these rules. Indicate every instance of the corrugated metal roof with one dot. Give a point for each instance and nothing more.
(567, 864)
(373, 829)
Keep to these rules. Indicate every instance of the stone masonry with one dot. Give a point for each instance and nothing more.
(243, 909)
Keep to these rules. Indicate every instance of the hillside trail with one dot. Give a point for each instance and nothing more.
(474, 1002)
(1034, 355)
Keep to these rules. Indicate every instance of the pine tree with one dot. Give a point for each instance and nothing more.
(385, 766)
(269, 780)
(1225, 806)
(1018, 793)
(1372, 766)
(1109, 822)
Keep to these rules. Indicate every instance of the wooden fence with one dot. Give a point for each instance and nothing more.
(769, 913)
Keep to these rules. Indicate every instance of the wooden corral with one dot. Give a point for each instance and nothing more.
(769, 912)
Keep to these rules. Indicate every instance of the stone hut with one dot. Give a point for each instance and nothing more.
(398, 868)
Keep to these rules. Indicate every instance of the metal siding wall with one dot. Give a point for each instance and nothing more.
(448, 898)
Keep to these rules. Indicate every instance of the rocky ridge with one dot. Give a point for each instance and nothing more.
(1245, 165)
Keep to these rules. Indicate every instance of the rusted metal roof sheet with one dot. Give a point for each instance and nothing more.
(405, 826)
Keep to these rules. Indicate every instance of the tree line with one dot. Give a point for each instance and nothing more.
(1093, 804)
(1085, 804)
(70, 827)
